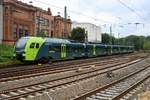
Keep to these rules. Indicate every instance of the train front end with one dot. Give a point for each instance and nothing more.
(27, 48)
(20, 48)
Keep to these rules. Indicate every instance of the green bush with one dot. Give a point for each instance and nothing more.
(6, 51)
(6, 54)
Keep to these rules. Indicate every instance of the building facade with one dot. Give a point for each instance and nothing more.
(69, 27)
(18, 20)
(1, 21)
(44, 22)
(21, 19)
(94, 32)
(60, 25)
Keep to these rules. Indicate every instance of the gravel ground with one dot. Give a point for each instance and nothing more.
(39, 79)
(142, 92)
(70, 91)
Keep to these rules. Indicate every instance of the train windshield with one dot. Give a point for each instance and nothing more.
(21, 43)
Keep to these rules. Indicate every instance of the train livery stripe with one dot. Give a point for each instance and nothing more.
(94, 49)
(31, 53)
(63, 51)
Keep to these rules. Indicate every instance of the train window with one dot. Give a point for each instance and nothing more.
(54, 48)
(57, 48)
(51, 48)
(37, 45)
(32, 45)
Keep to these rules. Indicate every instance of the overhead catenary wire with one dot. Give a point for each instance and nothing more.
(74, 12)
(88, 16)
(131, 9)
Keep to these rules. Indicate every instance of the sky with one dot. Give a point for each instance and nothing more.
(121, 15)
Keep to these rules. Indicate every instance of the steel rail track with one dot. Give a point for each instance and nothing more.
(43, 68)
(37, 69)
(117, 89)
(14, 97)
(61, 69)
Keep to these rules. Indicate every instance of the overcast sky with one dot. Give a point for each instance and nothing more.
(105, 13)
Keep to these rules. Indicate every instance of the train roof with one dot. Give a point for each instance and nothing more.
(65, 41)
(56, 40)
(120, 45)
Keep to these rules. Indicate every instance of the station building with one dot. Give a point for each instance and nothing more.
(59, 27)
(44, 22)
(20, 19)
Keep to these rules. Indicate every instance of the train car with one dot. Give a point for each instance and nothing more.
(77, 50)
(101, 50)
(37, 49)
(130, 49)
(115, 49)
(45, 49)
(90, 50)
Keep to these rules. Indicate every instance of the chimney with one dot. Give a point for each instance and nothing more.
(49, 11)
(58, 14)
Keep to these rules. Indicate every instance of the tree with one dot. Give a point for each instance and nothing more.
(136, 41)
(148, 38)
(107, 39)
(146, 45)
(78, 34)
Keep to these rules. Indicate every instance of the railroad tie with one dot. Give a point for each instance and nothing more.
(27, 89)
(4, 96)
(13, 93)
(21, 91)
(22, 99)
(30, 96)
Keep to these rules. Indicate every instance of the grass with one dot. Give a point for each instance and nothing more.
(6, 55)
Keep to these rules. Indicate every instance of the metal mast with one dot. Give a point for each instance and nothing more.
(65, 22)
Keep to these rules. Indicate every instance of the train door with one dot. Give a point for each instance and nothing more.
(109, 48)
(94, 49)
(63, 51)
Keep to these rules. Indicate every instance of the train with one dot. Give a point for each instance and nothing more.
(39, 49)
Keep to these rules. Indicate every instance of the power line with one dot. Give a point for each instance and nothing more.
(74, 12)
(82, 14)
(143, 10)
(131, 9)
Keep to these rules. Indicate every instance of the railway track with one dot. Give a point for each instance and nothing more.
(16, 93)
(118, 89)
(44, 71)
(26, 70)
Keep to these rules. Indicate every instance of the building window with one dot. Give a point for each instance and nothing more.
(14, 31)
(46, 22)
(45, 31)
(52, 22)
(52, 35)
(26, 32)
(20, 31)
(37, 20)
(42, 21)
